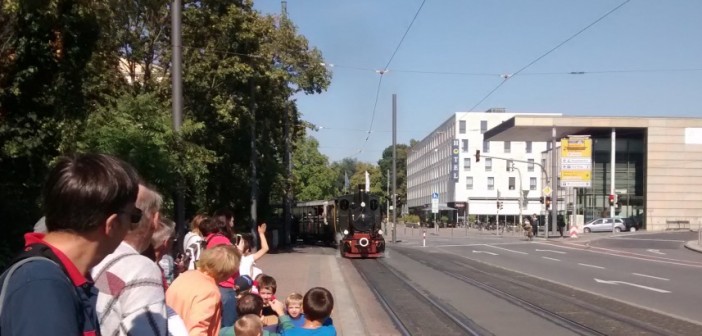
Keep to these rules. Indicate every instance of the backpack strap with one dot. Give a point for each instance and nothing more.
(8, 274)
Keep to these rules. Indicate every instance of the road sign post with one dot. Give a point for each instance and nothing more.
(435, 208)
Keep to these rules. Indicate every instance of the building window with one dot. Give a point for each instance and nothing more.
(512, 182)
(508, 146)
(464, 145)
(462, 127)
(483, 126)
(488, 164)
(466, 164)
(532, 183)
(469, 182)
(528, 146)
(491, 183)
(486, 146)
(509, 165)
(530, 167)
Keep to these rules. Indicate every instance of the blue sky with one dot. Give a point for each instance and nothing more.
(493, 37)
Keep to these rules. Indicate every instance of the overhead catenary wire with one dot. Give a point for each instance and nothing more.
(506, 77)
(383, 71)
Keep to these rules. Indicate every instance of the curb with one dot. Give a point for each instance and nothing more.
(693, 246)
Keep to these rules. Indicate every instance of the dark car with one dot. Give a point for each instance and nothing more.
(632, 224)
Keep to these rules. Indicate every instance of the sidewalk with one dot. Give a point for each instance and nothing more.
(694, 245)
(356, 310)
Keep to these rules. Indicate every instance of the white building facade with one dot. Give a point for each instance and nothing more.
(444, 162)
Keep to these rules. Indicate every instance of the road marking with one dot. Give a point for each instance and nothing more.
(593, 266)
(650, 276)
(486, 252)
(549, 258)
(552, 251)
(631, 284)
(630, 255)
(647, 239)
(502, 248)
(655, 251)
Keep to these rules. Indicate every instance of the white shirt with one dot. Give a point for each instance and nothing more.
(191, 244)
(246, 265)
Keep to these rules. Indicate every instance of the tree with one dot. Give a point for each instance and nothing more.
(385, 164)
(313, 178)
(359, 178)
(344, 168)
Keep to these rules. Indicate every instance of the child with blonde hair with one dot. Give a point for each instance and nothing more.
(248, 325)
(293, 306)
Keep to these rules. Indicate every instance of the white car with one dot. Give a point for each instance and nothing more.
(604, 225)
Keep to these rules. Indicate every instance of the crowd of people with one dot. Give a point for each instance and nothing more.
(100, 262)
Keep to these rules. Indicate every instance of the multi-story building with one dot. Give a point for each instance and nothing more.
(444, 162)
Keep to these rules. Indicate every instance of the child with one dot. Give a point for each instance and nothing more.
(293, 305)
(248, 259)
(317, 305)
(248, 325)
(266, 289)
(250, 303)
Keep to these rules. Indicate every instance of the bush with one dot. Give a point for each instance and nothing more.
(410, 219)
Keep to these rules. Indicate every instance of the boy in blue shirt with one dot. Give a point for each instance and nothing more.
(293, 306)
(317, 305)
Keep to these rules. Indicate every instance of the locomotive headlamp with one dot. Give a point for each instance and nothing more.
(363, 204)
(380, 232)
(346, 232)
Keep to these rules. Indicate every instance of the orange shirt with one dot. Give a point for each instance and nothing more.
(195, 297)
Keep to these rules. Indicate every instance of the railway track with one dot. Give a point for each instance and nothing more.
(413, 310)
(579, 312)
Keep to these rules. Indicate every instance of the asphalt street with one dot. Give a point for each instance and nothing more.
(649, 270)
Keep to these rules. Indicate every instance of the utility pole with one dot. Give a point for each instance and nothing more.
(287, 158)
(521, 194)
(254, 175)
(387, 207)
(394, 166)
(177, 98)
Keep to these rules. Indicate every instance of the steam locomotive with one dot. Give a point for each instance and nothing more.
(359, 218)
(351, 222)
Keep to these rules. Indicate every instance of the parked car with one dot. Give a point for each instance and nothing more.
(632, 224)
(605, 225)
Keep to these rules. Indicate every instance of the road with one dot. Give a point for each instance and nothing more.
(651, 271)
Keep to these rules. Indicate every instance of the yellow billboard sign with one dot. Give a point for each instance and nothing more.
(576, 162)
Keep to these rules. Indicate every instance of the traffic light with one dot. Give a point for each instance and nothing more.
(498, 204)
(477, 155)
(548, 202)
(501, 205)
(612, 200)
(541, 200)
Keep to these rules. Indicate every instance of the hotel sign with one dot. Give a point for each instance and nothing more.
(454, 160)
(576, 162)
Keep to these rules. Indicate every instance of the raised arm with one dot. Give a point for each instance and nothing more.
(264, 242)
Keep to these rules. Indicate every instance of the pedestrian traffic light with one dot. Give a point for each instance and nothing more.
(548, 202)
(612, 200)
(541, 200)
(477, 155)
(498, 204)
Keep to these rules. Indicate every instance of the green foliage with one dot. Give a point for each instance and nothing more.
(385, 165)
(359, 178)
(314, 178)
(410, 219)
(138, 130)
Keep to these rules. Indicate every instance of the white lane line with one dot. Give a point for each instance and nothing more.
(502, 248)
(650, 276)
(647, 239)
(549, 258)
(486, 252)
(588, 265)
(552, 251)
(612, 282)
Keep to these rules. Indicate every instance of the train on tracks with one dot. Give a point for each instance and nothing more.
(351, 222)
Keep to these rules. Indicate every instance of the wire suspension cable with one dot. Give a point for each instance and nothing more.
(508, 76)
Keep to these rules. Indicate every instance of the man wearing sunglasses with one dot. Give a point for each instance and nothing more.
(131, 299)
(88, 201)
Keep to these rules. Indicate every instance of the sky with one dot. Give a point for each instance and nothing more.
(644, 59)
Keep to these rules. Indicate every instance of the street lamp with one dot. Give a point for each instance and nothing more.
(521, 193)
